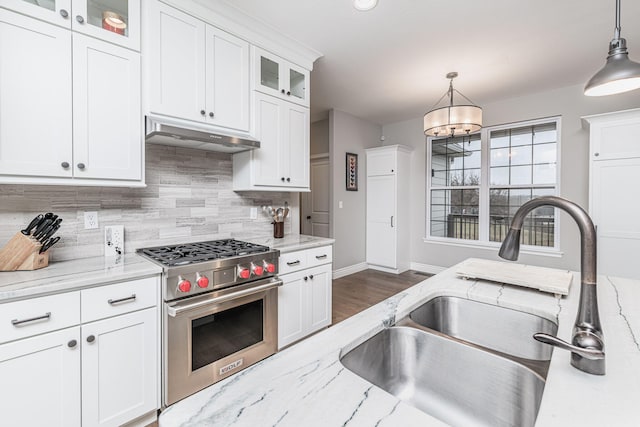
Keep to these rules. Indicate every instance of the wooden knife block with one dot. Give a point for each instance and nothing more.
(22, 253)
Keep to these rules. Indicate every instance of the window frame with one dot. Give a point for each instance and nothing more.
(483, 241)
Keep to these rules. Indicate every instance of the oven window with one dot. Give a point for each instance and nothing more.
(218, 335)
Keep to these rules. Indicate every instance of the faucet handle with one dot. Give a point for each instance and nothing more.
(587, 353)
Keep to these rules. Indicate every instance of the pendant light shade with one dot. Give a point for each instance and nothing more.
(452, 120)
(620, 74)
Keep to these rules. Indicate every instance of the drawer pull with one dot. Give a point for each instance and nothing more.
(321, 256)
(121, 300)
(16, 322)
(292, 263)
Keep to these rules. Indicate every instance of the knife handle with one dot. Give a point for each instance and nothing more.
(50, 232)
(42, 226)
(32, 224)
(47, 245)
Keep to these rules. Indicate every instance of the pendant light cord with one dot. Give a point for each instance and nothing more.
(616, 34)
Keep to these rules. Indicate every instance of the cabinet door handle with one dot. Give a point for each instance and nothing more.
(72, 343)
(211, 114)
(282, 179)
(391, 221)
(121, 300)
(305, 278)
(292, 263)
(65, 165)
(288, 179)
(311, 276)
(64, 13)
(321, 256)
(80, 19)
(16, 322)
(282, 91)
(91, 338)
(202, 112)
(288, 93)
(81, 166)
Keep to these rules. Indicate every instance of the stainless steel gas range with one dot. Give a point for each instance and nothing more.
(220, 312)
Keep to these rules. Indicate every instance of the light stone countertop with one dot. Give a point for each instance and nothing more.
(292, 242)
(66, 276)
(306, 385)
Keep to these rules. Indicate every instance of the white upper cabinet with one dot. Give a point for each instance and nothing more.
(278, 77)
(106, 126)
(116, 21)
(282, 161)
(70, 110)
(197, 72)
(35, 88)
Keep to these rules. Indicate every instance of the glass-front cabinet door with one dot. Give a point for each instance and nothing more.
(277, 77)
(116, 21)
(55, 11)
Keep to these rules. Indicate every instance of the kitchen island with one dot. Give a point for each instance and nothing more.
(306, 385)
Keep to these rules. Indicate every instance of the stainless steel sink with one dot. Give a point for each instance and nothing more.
(497, 328)
(459, 384)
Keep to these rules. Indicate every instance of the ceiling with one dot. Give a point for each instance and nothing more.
(389, 64)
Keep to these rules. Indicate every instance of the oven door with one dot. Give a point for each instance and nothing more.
(210, 337)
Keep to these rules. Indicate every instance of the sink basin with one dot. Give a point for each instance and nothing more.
(497, 328)
(459, 384)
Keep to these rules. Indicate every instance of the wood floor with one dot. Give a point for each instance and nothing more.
(357, 292)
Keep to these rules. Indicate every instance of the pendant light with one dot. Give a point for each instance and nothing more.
(364, 5)
(452, 120)
(620, 74)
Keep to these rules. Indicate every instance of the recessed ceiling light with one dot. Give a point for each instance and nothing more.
(364, 5)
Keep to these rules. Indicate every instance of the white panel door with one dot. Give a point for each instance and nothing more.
(267, 162)
(57, 12)
(614, 209)
(41, 380)
(177, 65)
(107, 126)
(291, 309)
(381, 221)
(315, 205)
(295, 149)
(35, 97)
(227, 81)
(119, 368)
(88, 18)
(319, 289)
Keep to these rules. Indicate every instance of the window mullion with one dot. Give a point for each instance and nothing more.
(483, 215)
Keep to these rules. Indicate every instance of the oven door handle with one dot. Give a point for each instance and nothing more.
(176, 311)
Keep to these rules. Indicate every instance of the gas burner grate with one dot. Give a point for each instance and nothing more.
(191, 253)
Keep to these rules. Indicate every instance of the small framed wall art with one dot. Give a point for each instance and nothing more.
(352, 172)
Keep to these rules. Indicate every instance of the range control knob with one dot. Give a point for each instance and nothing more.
(202, 281)
(243, 273)
(184, 285)
(271, 268)
(258, 270)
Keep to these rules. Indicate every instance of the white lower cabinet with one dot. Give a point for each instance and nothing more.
(119, 368)
(98, 369)
(41, 380)
(304, 300)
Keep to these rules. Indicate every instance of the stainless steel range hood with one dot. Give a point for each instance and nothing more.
(165, 133)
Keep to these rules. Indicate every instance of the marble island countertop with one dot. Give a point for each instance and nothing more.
(306, 385)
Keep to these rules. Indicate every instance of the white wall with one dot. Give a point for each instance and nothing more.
(568, 102)
(351, 134)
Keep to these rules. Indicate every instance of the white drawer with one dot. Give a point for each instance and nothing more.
(292, 261)
(119, 298)
(319, 256)
(35, 316)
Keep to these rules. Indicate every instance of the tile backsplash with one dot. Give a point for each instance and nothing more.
(188, 197)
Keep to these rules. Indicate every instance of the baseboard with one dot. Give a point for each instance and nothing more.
(386, 269)
(345, 271)
(427, 268)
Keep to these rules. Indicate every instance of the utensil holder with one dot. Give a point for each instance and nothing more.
(278, 229)
(22, 253)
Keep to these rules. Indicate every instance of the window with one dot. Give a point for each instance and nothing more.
(478, 182)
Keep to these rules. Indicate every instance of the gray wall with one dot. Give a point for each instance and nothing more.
(188, 198)
(351, 134)
(568, 102)
(320, 137)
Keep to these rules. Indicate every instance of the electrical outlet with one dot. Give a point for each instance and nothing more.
(90, 220)
(253, 213)
(113, 240)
